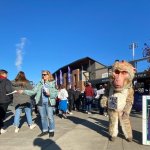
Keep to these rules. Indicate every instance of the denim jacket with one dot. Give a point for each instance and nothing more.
(37, 91)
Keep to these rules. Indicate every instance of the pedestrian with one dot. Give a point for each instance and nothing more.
(22, 101)
(46, 94)
(77, 99)
(63, 103)
(99, 94)
(83, 101)
(70, 98)
(106, 90)
(89, 94)
(5, 100)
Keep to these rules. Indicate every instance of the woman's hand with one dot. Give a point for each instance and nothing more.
(47, 93)
(20, 91)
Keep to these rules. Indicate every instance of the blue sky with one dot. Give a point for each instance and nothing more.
(48, 34)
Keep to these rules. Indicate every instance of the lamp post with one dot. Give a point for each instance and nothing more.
(133, 46)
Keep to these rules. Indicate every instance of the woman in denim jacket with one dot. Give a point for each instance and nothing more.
(46, 94)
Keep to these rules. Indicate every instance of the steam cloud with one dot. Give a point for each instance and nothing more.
(19, 53)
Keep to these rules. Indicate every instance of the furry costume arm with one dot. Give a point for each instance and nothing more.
(129, 103)
(104, 99)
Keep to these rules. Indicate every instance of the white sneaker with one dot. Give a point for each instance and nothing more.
(3, 131)
(89, 113)
(16, 130)
(70, 113)
(64, 116)
(32, 126)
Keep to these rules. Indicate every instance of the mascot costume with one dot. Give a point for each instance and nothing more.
(119, 99)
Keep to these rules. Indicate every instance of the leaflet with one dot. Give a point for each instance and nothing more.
(12, 92)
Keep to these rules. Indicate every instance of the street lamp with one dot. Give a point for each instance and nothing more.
(133, 46)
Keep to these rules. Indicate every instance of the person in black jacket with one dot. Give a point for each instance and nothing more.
(5, 100)
(70, 98)
(77, 99)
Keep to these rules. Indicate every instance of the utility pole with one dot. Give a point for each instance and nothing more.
(133, 46)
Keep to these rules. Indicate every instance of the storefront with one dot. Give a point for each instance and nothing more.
(142, 82)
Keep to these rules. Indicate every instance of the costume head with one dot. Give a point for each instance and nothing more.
(122, 75)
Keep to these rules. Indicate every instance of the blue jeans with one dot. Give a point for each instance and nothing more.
(88, 103)
(18, 111)
(47, 117)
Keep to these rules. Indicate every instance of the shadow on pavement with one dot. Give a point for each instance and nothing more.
(10, 119)
(137, 136)
(46, 144)
(100, 127)
(37, 121)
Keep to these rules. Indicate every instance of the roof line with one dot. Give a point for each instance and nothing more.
(78, 61)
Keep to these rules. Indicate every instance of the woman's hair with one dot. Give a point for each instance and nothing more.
(50, 76)
(21, 79)
(62, 86)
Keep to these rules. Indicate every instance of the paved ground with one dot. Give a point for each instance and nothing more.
(79, 132)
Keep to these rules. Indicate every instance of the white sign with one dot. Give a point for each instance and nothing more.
(105, 75)
(146, 119)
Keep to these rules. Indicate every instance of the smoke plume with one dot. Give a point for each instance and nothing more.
(19, 53)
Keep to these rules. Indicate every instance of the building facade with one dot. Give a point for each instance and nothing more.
(79, 72)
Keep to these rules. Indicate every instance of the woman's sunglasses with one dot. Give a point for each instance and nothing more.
(44, 74)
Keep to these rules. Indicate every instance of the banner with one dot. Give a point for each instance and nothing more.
(60, 78)
(56, 80)
(69, 75)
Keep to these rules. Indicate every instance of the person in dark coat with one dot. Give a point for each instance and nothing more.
(83, 100)
(77, 99)
(5, 100)
(70, 98)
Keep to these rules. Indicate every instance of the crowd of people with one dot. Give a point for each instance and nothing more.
(72, 98)
(49, 99)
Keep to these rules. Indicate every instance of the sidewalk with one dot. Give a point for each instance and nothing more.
(79, 132)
